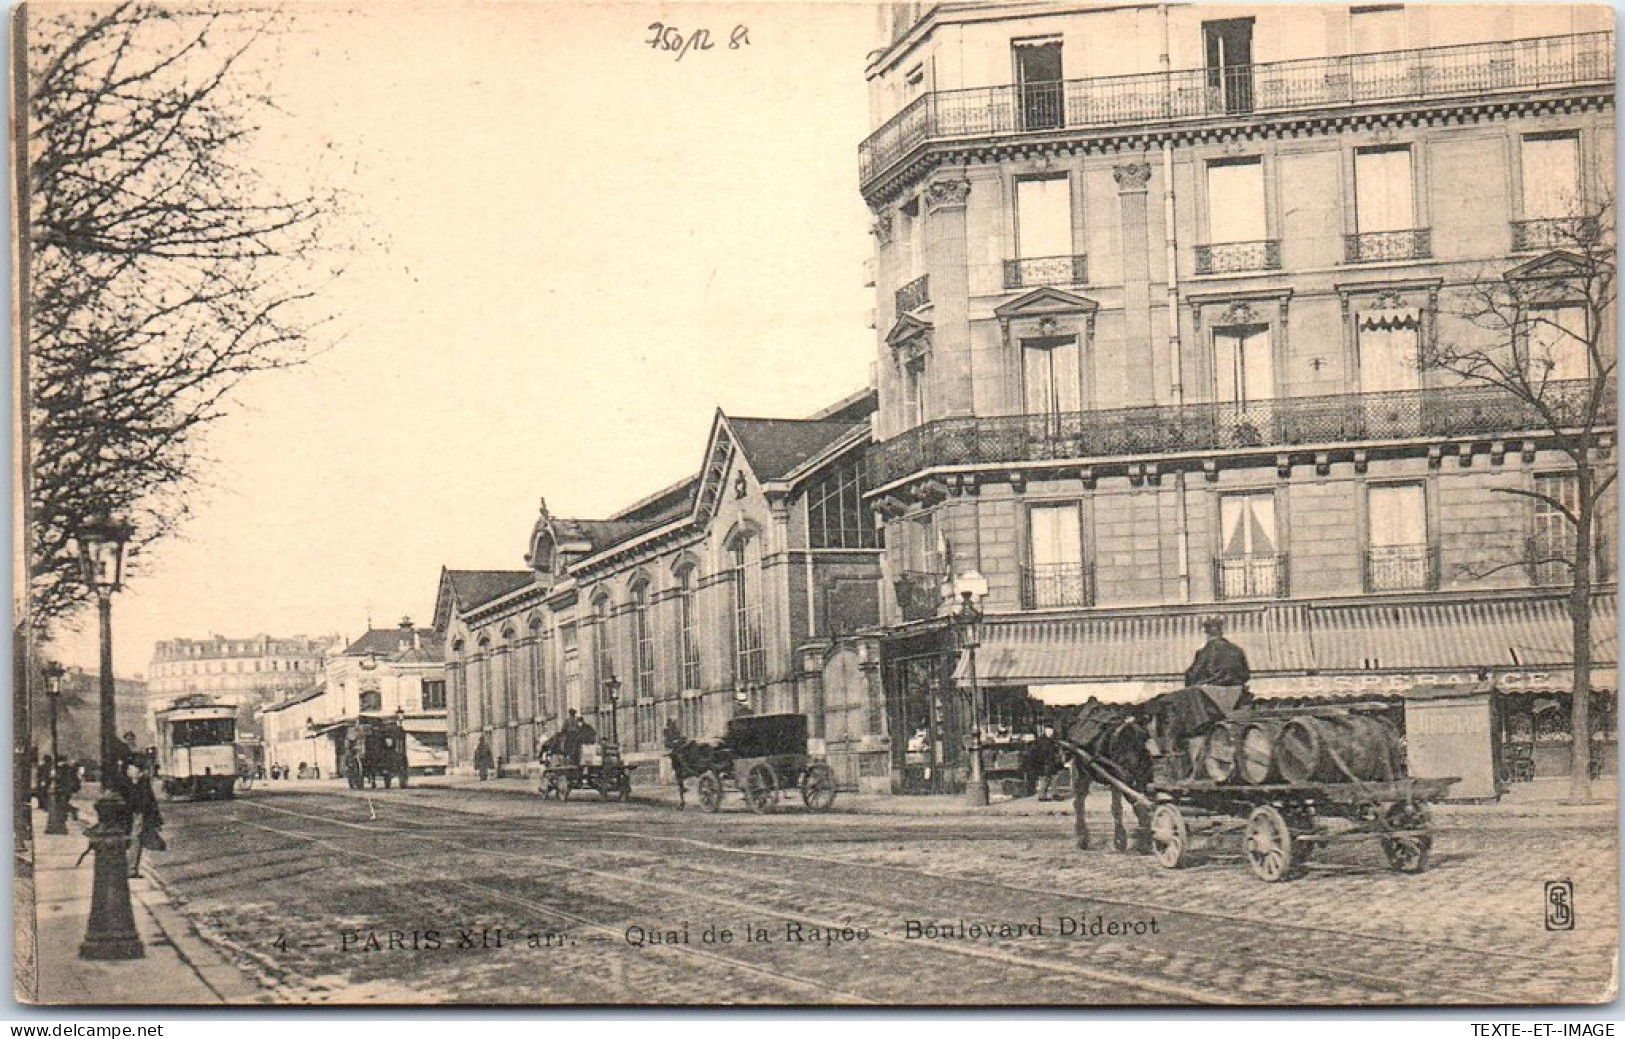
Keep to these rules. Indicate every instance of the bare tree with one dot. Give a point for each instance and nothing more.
(1545, 339)
(159, 267)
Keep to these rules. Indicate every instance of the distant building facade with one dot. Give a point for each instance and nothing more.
(249, 672)
(725, 593)
(1152, 285)
(392, 674)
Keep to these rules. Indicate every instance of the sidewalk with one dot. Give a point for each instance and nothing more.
(179, 968)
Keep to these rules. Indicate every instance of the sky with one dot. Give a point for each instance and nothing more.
(573, 249)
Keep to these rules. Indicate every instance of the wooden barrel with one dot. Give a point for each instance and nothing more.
(1255, 756)
(1339, 748)
(1222, 745)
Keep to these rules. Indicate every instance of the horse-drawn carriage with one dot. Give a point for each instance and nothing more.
(600, 769)
(1273, 785)
(761, 756)
(370, 751)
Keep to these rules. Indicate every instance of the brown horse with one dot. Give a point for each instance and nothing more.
(1114, 739)
(690, 759)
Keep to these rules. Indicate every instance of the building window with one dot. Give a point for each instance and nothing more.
(570, 667)
(745, 582)
(837, 515)
(1056, 574)
(434, 694)
(1051, 376)
(1377, 28)
(1551, 544)
(1389, 346)
(1243, 365)
(1229, 51)
(643, 644)
(914, 402)
(688, 643)
(1384, 190)
(1043, 217)
(483, 663)
(1399, 557)
(1235, 201)
(1551, 176)
(538, 675)
(1555, 344)
(372, 701)
(510, 678)
(1250, 564)
(1038, 81)
(604, 652)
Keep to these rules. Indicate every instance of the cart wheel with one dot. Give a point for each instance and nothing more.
(1269, 845)
(1170, 836)
(710, 788)
(761, 787)
(818, 787)
(1408, 854)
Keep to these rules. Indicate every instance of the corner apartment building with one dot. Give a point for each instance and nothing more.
(726, 592)
(1152, 285)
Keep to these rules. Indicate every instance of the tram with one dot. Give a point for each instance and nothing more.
(197, 753)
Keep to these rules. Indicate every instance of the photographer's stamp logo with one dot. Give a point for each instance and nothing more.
(1559, 905)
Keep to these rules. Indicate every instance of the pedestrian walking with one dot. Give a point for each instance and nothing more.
(42, 782)
(66, 784)
(1044, 762)
(483, 762)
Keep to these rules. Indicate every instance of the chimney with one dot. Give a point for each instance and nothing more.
(406, 633)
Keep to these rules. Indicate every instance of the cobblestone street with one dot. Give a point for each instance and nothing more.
(481, 895)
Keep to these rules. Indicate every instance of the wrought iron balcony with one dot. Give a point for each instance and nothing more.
(1401, 568)
(1377, 246)
(1558, 233)
(1032, 272)
(1464, 71)
(916, 293)
(1250, 577)
(1461, 411)
(1236, 257)
(1046, 585)
(919, 594)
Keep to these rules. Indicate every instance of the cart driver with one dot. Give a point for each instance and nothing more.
(1220, 661)
(575, 733)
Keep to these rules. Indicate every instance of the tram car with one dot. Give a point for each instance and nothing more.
(197, 750)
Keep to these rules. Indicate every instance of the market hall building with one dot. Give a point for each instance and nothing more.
(1152, 283)
(729, 592)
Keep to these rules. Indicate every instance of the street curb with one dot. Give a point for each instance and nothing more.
(218, 975)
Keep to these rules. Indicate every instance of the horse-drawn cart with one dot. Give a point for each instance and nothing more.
(762, 756)
(1272, 785)
(600, 769)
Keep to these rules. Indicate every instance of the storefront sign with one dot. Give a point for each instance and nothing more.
(1399, 682)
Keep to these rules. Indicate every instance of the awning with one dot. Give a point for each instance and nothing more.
(1072, 658)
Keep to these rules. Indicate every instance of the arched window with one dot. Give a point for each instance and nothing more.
(688, 642)
(538, 677)
(643, 643)
(745, 584)
(604, 651)
(372, 701)
(510, 677)
(482, 663)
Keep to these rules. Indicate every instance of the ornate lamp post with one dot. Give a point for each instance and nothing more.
(111, 933)
(967, 618)
(612, 689)
(57, 821)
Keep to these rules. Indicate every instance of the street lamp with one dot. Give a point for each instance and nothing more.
(967, 620)
(612, 689)
(57, 821)
(110, 933)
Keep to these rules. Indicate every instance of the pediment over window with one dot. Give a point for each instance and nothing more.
(1559, 265)
(909, 338)
(1045, 302)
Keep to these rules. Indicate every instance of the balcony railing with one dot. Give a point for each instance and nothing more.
(1465, 71)
(1031, 272)
(1401, 568)
(916, 293)
(1250, 577)
(1558, 233)
(1377, 246)
(1235, 257)
(919, 594)
(1046, 585)
(1461, 411)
